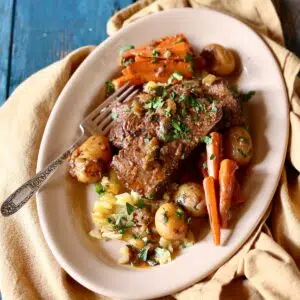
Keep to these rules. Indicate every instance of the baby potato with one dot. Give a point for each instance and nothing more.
(238, 145)
(88, 162)
(170, 222)
(191, 196)
(222, 61)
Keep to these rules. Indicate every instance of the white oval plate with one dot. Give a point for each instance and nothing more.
(64, 206)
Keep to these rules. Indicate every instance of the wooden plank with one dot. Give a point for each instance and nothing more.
(6, 17)
(46, 30)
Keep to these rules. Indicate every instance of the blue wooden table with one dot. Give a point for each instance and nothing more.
(35, 33)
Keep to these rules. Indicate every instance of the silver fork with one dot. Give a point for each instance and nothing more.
(98, 121)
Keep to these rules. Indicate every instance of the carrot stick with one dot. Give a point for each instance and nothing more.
(212, 208)
(214, 155)
(226, 184)
(120, 81)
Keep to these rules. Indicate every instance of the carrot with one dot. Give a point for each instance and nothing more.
(238, 196)
(214, 154)
(212, 208)
(226, 184)
(120, 81)
(159, 71)
(171, 40)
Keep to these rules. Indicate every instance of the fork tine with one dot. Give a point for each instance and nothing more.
(108, 100)
(107, 122)
(99, 120)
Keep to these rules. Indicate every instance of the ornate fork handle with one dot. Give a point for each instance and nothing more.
(20, 196)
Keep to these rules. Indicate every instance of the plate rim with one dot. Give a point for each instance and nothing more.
(40, 164)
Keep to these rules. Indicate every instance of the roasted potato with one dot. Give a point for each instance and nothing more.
(221, 61)
(191, 197)
(170, 222)
(89, 161)
(238, 145)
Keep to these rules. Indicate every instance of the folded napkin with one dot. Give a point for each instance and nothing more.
(265, 267)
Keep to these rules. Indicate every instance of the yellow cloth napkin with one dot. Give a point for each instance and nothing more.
(264, 267)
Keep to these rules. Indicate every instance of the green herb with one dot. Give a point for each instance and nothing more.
(184, 98)
(195, 118)
(244, 97)
(212, 100)
(99, 188)
(168, 112)
(176, 125)
(166, 218)
(206, 139)
(159, 251)
(130, 208)
(143, 254)
(155, 103)
(135, 236)
(154, 60)
(167, 54)
(152, 262)
(242, 153)
(212, 157)
(196, 105)
(213, 107)
(127, 62)
(175, 75)
(110, 220)
(151, 196)
(140, 203)
(188, 220)
(184, 112)
(114, 115)
(173, 95)
(155, 53)
(109, 87)
(125, 48)
(179, 213)
(155, 119)
(160, 91)
(180, 40)
(188, 58)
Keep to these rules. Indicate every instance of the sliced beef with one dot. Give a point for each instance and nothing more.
(146, 166)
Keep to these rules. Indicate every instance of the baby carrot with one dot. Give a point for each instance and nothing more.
(226, 185)
(212, 208)
(214, 154)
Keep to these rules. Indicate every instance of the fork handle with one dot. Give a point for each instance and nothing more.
(21, 195)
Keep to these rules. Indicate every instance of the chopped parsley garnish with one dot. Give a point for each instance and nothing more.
(99, 188)
(188, 220)
(155, 103)
(110, 220)
(166, 218)
(173, 95)
(180, 130)
(213, 107)
(160, 91)
(183, 112)
(179, 213)
(179, 40)
(127, 62)
(130, 208)
(188, 58)
(242, 153)
(140, 203)
(195, 104)
(143, 254)
(125, 48)
(151, 196)
(109, 87)
(168, 112)
(176, 125)
(155, 53)
(175, 75)
(159, 251)
(244, 97)
(212, 157)
(206, 139)
(114, 115)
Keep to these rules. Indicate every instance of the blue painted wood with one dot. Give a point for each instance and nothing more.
(6, 17)
(45, 31)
